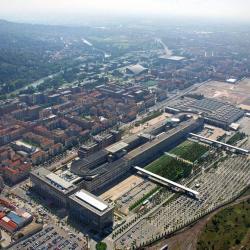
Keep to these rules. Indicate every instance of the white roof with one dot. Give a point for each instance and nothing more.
(6, 219)
(91, 200)
(167, 180)
(59, 181)
(173, 58)
(136, 69)
(117, 147)
(235, 126)
(21, 143)
(176, 58)
(221, 143)
(231, 80)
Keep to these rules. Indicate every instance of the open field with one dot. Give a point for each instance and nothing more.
(229, 228)
(117, 191)
(238, 93)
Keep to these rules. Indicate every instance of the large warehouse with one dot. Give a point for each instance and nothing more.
(136, 70)
(215, 112)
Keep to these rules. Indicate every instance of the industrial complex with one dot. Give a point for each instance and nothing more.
(101, 170)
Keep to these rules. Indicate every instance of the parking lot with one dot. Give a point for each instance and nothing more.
(215, 186)
(20, 198)
(244, 125)
(133, 195)
(51, 238)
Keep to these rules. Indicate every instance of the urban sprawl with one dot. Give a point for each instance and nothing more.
(160, 141)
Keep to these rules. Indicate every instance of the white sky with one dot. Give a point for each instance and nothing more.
(42, 9)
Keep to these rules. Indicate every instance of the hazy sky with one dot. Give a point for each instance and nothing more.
(42, 10)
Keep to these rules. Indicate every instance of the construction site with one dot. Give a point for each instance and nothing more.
(236, 93)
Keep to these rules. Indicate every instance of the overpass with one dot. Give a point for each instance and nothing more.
(240, 150)
(165, 181)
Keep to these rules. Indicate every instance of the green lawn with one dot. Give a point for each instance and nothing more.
(174, 169)
(229, 228)
(189, 150)
(170, 168)
(101, 246)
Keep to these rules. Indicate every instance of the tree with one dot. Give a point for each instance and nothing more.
(237, 241)
(101, 246)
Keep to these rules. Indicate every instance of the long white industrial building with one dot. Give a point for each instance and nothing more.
(167, 181)
(241, 150)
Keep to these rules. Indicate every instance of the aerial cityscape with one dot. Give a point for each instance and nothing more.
(124, 132)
